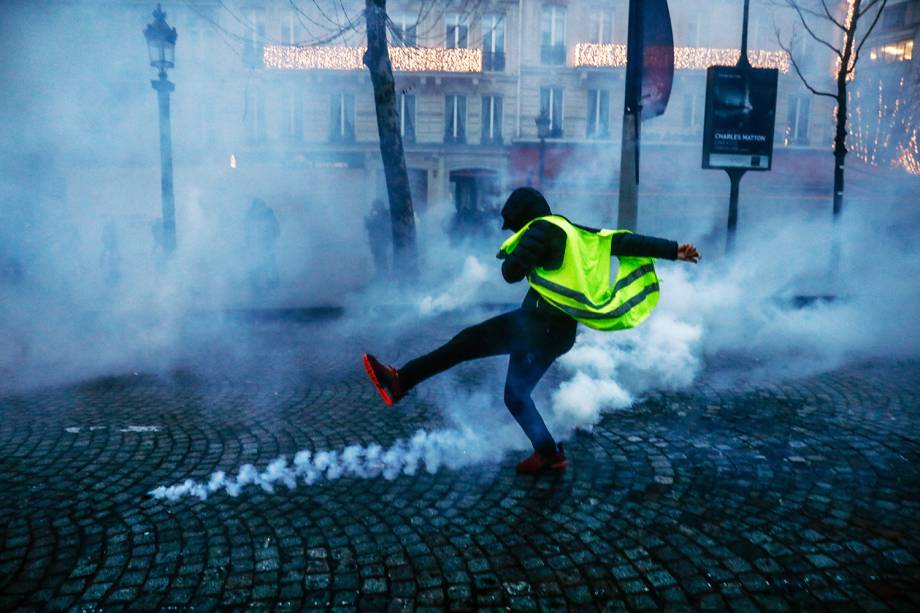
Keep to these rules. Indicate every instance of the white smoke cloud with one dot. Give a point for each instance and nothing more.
(459, 292)
(738, 309)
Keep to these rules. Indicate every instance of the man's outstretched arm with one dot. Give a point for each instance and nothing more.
(638, 245)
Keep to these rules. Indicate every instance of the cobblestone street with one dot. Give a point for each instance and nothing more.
(801, 494)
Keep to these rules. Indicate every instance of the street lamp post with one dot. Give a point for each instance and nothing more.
(542, 122)
(161, 44)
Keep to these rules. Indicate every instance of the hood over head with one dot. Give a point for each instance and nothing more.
(523, 205)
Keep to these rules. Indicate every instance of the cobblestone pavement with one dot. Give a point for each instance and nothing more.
(783, 495)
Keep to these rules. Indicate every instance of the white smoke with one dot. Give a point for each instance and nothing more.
(741, 311)
(610, 370)
(737, 310)
(425, 450)
(459, 292)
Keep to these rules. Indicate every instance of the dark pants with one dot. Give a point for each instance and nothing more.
(533, 338)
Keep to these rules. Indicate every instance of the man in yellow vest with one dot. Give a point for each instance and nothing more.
(568, 269)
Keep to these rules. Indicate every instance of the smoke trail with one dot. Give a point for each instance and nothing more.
(429, 450)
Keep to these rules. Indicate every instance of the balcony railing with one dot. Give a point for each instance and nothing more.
(405, 59)
(590, 55)
(450, 139)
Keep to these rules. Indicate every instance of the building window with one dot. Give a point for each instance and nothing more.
(552, 35)
(292, 116)
(254, 37)
(342, 116)
(291, 29)
(404, 29)
(692, 30)
(456, 31)
(601, 24)
(195, 42)
(551, 104)
(254, 115)
(455, 119)
(901, 51)
(206, 121)
(407, 117)
(797, 119)
(598, 113)
(691, 112)
(493, 42)
(894, 17)
(759, 32)
(800, 48)
(491, 120)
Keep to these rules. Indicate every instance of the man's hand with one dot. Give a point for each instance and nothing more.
(688, 253)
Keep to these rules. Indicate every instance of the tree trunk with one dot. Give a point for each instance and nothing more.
(840, 136)
(377, 60)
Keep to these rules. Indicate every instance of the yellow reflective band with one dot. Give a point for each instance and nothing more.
(620, 311)
(640, 272)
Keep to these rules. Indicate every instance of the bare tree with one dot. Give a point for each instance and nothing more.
(377, 60)
(846, 45)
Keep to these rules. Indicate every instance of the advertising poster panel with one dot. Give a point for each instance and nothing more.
(739, 120)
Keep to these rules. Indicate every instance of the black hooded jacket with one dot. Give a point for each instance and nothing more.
(543, 245)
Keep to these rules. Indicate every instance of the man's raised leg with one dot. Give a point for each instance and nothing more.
(494, 336)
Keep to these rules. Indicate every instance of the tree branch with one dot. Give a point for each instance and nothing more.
(811, 32)
(866, 34)
(869, 6)
(827, 13)
(798, 71)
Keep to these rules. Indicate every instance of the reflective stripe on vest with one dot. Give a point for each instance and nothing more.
(581, 286)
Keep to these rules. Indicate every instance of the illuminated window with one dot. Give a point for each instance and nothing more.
(493, 42)
(552, 35)
(601, 25)
(797, 115)
(598, 113)
(342, 115)
(901, 51)
(491, 120)
(551, 104)
(456, 31)
(407, 117)
(404, 29)
(455, 119)
(254, 115)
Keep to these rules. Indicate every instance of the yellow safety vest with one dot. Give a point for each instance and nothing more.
(581, 286)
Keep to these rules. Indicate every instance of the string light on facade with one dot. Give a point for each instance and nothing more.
(909, 155)
(888, 136)
(404, 59)
(600, 55)
(685, 58)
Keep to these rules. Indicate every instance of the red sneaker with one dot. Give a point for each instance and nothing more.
(540, 463)
(384, 378)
